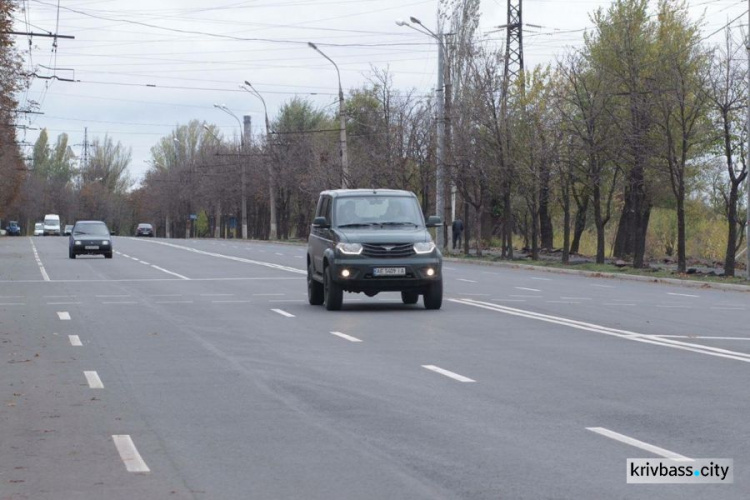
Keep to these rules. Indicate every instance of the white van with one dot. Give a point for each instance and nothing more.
(52, 225)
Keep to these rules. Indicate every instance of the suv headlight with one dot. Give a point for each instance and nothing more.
(424, 247)
(105, 242)
(78, 242)
(349, 248)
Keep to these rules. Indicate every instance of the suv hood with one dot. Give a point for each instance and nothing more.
(376, 234)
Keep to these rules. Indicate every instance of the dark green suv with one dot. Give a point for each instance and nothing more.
(371, 241)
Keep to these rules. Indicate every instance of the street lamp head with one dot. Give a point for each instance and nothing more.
(401, 22)
(415, 20)
(312, 45)
(248, 83)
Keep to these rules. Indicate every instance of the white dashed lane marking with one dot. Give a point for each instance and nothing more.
(639, 444)
(447, 373)
(465, 280)
(283, 313)
(63, 315)
(129, 454)
(93, 379)
(75, 340)
(527, 289)
(345, 336)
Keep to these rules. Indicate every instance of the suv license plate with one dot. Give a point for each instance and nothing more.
(389, 271)
(90, 247)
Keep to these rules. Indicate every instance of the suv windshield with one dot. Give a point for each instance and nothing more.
(366, 211)
(91, 229)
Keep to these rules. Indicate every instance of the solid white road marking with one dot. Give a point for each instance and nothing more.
(64, 316)
(683, 295)
(541, 279)
(454, 376)
(231, 257)
(217, 295)
(283, 313)
(129, 454)
(174, 302)
(169, 272)
(707, 337)
(12, 303)
(624, 334)
(465, 280)
(75, 340)
(45, 276)
(269, 294)
(62, 303)
(345, 336)
(575, 298)
(527, 289)
(656, 450)
(93, 379)
(617, 304)
(728, 308)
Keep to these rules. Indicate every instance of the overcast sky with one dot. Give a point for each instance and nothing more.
(146, 66)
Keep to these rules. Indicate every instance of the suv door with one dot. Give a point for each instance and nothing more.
(320, 237)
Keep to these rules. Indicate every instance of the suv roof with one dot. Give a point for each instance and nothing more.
(367, 192)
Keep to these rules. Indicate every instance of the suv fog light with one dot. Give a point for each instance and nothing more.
(430, 272)
(345, 273)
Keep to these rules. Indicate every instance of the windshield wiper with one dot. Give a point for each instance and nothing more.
(79, 233)
(357, 224)
(398, 224)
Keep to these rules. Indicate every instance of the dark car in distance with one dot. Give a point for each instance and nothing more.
(372, 241)
(13, 229)
(144, 229)
(90, 237)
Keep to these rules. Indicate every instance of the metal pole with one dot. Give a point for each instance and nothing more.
(440, 112)
(242, 190)
(747, 153)
(342, 138)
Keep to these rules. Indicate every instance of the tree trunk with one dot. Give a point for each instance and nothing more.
(729, 261)
(545, 219)
(599, 223)
(566, 226)
(507, 221)
(681, 259)
(478, 226)
(467, 227)
(580, 224)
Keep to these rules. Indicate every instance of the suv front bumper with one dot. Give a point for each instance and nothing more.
(361, 271)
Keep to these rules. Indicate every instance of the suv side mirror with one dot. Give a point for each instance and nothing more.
(434, 221)
(321, 222)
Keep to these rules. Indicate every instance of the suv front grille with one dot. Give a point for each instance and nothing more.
(387, 250)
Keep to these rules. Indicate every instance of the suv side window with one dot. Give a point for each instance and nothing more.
(327, 208)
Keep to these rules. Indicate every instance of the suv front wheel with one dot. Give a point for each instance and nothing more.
(433, 297)
(333, 294)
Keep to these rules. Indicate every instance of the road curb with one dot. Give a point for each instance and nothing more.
(598, 274)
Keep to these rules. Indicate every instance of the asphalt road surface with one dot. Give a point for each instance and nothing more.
(196, 369)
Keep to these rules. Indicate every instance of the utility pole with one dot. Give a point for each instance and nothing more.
(440, 151)
(273, 233)
(747, 178)
(342, 122)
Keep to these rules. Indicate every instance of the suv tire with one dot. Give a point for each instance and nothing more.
(71, 254)
(433, 297)
(314, 289)
(409, 297)
(332, 292)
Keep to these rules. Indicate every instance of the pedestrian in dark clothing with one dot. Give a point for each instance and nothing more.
(458, 229)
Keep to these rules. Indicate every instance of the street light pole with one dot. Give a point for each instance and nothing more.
(747, 178)
(440, 118)
(243, 196)
(342, 122)
(273, 233)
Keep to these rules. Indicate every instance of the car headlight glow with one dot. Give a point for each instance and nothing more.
(349, 248)
(78, 242)
(424, 247)
(105, 242)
